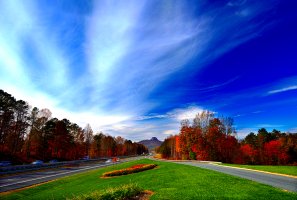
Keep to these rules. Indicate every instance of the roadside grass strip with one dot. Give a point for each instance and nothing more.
(167, 181)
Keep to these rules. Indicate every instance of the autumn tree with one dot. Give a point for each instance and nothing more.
(251, 139)
(208, 138)
(289, 144)
(202, 120)
(77, 134)
(228, 125)
(21, 119)
(167, 147)
(270, 148)
(63, 140)
(120, 148)
(32, 124)
(7, 105)
(88, 135)
(97, 144)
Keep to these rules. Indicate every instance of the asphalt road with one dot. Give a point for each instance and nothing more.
(17, 181)
(283, 182)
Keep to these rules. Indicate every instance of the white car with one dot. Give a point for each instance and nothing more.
(108, 161)
(37, 162)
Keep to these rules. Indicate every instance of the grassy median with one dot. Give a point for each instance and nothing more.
(288, 170)
(167, 181)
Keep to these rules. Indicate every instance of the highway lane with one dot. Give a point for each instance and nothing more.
(12, 182)
(279, 181)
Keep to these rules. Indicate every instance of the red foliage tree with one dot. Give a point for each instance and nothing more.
(274, 154)
(248, 154)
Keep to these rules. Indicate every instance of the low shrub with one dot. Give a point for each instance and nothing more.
(192, 155)
(119, 193)
(130, 170)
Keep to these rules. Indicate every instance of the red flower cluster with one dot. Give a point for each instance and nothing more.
(138, 166)
(130, 170)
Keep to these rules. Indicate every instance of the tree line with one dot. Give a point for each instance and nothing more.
(214, 138)
(28, 134)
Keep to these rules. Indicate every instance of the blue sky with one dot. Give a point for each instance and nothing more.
(136, 68)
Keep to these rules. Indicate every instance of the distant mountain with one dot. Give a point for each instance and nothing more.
(151, 144)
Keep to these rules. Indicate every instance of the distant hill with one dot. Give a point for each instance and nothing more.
(151, 144)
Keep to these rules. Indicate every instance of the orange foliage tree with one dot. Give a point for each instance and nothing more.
(26, 135)
(210, 138)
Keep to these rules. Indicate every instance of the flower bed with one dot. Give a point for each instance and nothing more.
(130, 170)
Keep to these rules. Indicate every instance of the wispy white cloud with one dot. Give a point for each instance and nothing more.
(20, 27)
(285, 89)
(214, 86)
(171, 132)
(130, 55)
(269, 125)
(257, 111)
(152, 116)
(135, 131)
(281, 85)
(238, 115)
(186, 113)
(162, 126)
(235, 3)
(293, 130)
(42, 100)
(221, 84)
(130, 50)
(176, 114)
(242, 133)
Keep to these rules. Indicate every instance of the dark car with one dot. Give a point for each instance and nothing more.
(86, 158)
(4, 163)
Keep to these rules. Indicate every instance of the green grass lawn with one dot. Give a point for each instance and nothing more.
(167, 181)
(289, 170)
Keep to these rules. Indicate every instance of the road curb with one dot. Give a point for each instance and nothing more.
(255, 170)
